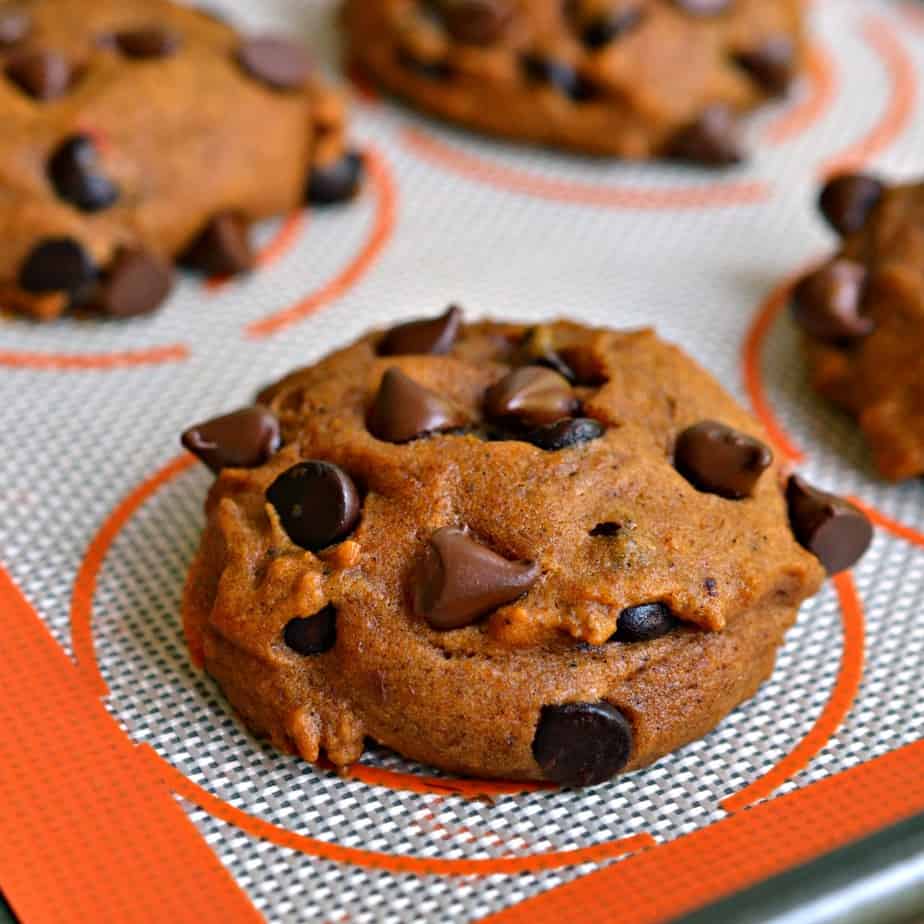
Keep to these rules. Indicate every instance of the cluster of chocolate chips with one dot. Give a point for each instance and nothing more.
(136, 281)
(828, 303)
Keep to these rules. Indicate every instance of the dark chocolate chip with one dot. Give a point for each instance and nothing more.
(222, 247)
(44, 75)
(582, 744)
(565, 434)
(602, 31)
(703, 7)
(76, 174)
(136, 283)
(57, 264)
(718, 459)
(147, 42)
(15, 25)
(606, 530)
(336, 182)
(537, 349)
(771, 65)
(846, 201)
(712, 140)
(558, 74)
(427, 336)
(531, 396)
(831, 528)
(312, 635)
(277, 62)
(644, 623)
(476, 22)
(243, 439)
(459, 580)
(828, 302)
(317, 504)
(403, 410)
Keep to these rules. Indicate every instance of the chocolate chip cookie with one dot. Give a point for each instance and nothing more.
(630, 78)
(138, 133)
(551, 553)
(862, 314)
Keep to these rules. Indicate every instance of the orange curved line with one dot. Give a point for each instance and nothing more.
(371, 859)
(283, 241)
(513, 180)
(908, 533)
(824, 85)
(383, 227)
(842, 699)
(881, 37)
(753, 375)
(75, 361)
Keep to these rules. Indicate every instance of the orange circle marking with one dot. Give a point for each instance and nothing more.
(61, 362)
(629, 197)
(823, 88)
(382, 230)
(883, 40)
(907, 533)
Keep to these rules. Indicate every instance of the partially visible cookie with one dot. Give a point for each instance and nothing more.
(137, 132)
(532, 553)
(863, 316)
(630, 78)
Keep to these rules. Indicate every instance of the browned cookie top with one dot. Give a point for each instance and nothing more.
(135, 130)
(863, 316)
(634, 78)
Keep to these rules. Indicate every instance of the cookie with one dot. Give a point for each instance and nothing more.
(630, 78)
(540, 554)
(862, 315)
(139, 133)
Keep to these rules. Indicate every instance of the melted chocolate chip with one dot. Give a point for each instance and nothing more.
(771, 64)
(75, 173)
(222, 247)
(606, 530)
(476, 22)
(558, 74)
(277, 62)
(15, 25)
(317, 503)
(43, 75)
(607, 28)
(715, 458)
(312, 635)
(532, 397)
(713, 140)
(831, 528)
(537, 349)
(136, 283)
(148, 42)
(828, 303)
(403, 410)
(846, 201)
(336, 182)
(644, 623)
(565, 434)
(427, 336)
(459, 580)
(243, 439)
(582, 744)
(57, 264)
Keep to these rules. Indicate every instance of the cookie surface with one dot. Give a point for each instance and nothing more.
(555, 553)
(862, 314)
(630, 78)
(139, 131)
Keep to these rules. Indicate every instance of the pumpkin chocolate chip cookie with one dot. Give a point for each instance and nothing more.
(139, 133)
(630, 78)
(551, 553)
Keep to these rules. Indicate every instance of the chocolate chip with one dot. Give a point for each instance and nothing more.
(771, 64)
(828, 303)
(222, 247)
(582, 744)
(846, 201)
(606, 530)
(565, 434)
(15, 25)
(277, 62)
(148, 42)
(606, 29)
(137, 282)
(427, 336)
(644, 623)
(75, 173)
(720, 460)
(831, 528)
(459, 580)
(537, 349)
(703, 7)
(403, 410)
(712, 140)
(57, 264)
(336, 182)
(476, 22)
(243, 439)
(44, 75)
(312, 635)
(558, 74)
(531, 396)
(317, 504)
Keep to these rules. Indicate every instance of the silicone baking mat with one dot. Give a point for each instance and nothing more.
(103, 719)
